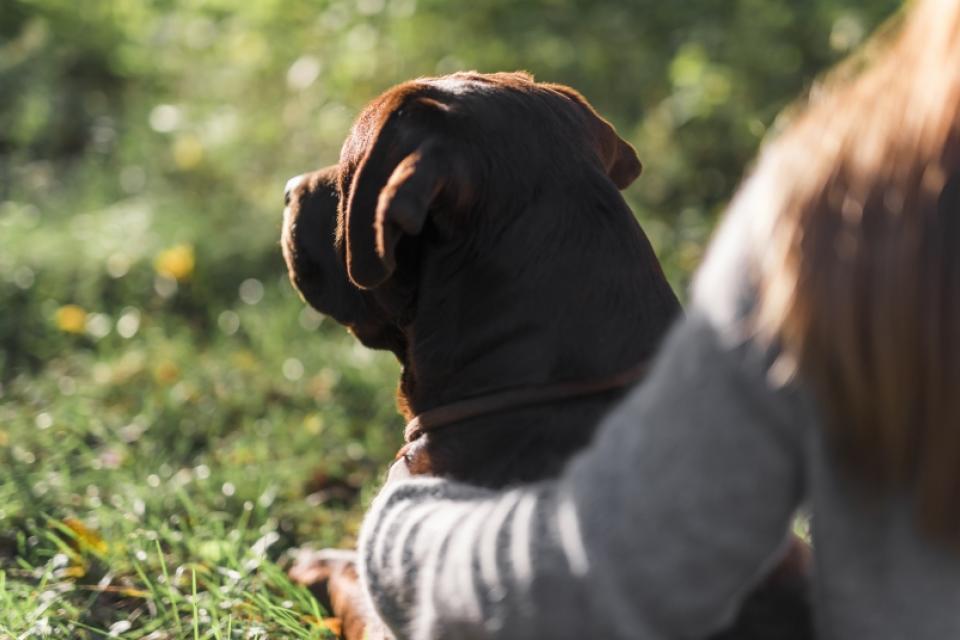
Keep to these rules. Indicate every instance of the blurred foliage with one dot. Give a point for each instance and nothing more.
(161, 387)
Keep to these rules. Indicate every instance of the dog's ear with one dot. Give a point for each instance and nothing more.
(391, 196)
(618, 156)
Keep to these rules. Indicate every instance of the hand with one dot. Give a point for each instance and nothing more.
(315, 568)
(332, 576)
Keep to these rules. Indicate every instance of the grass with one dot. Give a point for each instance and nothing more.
(172, 421)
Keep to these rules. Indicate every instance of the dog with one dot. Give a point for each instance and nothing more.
(474, 227)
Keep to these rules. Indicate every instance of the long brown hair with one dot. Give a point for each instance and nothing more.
(861, 278)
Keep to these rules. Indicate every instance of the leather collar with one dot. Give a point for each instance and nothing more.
(516, 398)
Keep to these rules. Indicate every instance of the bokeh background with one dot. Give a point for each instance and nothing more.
(172, 420)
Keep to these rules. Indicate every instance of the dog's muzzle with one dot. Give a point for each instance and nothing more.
(292, 184)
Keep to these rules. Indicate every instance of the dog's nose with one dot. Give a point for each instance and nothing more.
(291, 185)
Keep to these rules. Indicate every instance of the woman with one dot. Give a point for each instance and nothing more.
(817, 366)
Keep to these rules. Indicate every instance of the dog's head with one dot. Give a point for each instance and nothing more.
(451, 159)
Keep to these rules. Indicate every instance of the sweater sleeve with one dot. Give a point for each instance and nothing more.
(657, 530)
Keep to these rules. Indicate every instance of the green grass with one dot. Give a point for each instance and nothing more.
(162, 446)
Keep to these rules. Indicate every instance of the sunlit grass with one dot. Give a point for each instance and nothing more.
(155, 468)
(140, 586)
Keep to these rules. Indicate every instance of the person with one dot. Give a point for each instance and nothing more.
(817, 366)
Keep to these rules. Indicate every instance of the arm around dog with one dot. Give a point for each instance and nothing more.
(658, 530)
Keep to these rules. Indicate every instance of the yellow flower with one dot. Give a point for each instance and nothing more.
(187, 152)
(245, 360)
(75, 571)
(166, 372)
(85, 537)
(71, 318)
(177, 262)
(313, 424)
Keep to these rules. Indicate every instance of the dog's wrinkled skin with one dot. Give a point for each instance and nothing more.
(474, 227)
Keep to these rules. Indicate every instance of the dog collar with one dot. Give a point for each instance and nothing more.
(516, 398)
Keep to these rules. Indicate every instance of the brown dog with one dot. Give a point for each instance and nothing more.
(474, 227)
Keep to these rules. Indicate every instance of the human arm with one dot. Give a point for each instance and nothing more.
(657, 530)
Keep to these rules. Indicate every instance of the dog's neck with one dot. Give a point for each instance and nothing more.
(579, 305)
(521, 398)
